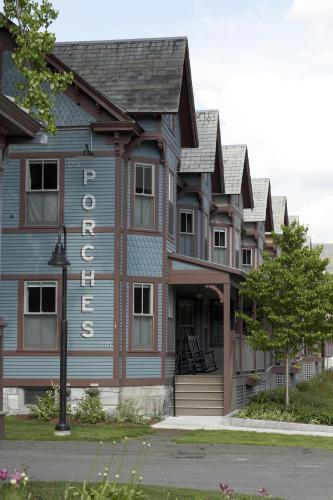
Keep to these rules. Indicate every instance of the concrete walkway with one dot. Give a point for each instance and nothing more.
(243, 424)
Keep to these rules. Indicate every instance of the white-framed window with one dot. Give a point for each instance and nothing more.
(143, 317)
(186, 239)
(42, 193)
(144, 195)
(40, 315)
(171, 203)
(220, 245)
(247, 256)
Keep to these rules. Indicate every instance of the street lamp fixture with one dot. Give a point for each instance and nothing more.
(59, 259)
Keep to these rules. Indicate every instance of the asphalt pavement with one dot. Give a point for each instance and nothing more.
(290, 473)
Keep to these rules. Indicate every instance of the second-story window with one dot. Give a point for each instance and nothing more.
(237, 248)
(171, 203)
(42, 193)
(40, 315)
(186, 237)
(143, 316)
(220, 246)
(247, 257)
(144, 196)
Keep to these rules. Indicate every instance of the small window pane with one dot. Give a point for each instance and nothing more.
(142, 334)
(148, 181)
(40, 332)
(50, 176)
(48, 299)
(35, 170)
(183, 222)
(189, 223)
(146, 299)
(139, 180)
(34, 299)
(137, 300)
(31, 394)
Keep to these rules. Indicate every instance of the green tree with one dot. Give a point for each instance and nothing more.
(294, 294)
(28, 22)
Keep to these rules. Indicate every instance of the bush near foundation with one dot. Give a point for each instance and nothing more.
(47, 406)
(90, 409)
(311, 402)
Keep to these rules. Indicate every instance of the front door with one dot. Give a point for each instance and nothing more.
(217, 331)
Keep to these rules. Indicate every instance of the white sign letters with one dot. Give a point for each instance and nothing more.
(88, 226)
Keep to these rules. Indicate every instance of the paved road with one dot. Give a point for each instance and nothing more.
(291, 473)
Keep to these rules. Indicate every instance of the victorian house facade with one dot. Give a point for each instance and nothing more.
(160, 220)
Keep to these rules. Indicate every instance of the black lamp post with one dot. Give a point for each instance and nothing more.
(59, 259)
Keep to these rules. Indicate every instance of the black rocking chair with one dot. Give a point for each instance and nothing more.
(197, 360)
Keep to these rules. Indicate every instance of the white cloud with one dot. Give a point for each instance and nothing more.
(311, 10)
(318, 215)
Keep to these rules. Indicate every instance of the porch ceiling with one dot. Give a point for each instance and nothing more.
(189, 270)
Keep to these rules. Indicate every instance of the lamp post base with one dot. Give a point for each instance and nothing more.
(62, 430)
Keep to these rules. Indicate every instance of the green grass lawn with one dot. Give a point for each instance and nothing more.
(18, 428)
(255, 438)
(54, 491)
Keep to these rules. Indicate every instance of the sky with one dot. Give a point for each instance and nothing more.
(266, 65)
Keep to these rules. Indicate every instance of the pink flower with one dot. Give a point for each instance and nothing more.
(263, 492)
(17, 475)
(4, 475)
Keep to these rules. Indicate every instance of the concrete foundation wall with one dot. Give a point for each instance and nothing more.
(150, 401)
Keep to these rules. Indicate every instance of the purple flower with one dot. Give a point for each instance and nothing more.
(227, 491)
(4, 475)
(17, 475)
(263, 492)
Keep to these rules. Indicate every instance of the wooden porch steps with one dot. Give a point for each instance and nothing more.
(199, 395)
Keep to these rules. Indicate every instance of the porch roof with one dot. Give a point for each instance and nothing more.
(190, 270)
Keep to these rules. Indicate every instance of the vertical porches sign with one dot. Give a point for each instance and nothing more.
(88, 203)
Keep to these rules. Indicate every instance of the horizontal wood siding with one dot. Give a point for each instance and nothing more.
(48, 367)
(169, 366)
(11, 194)
(8, 309)
(29, 253)
(143, 367)
(102, 316)
(102, 187)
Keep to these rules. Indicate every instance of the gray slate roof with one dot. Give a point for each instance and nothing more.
(143, 75)
(202, 159)
(233, 164)
(279, 206)
(260, 189)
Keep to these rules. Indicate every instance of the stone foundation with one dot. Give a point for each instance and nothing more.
(149, 401)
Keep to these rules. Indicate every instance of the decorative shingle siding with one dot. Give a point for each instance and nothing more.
(11, 194)
(104, 212)
(102, 316)
(15, 248)
(8, 308)
(143, 367)
(144, 255)
(66, 111)
(79, 367)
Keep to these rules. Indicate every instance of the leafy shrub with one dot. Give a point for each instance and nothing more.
(90, 409)
(47, 406)
(311, 402)
(127, 412)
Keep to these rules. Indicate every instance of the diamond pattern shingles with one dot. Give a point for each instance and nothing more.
(202, 159)
(260, 189)
(139, 75)
(233, 164)
(279, 207)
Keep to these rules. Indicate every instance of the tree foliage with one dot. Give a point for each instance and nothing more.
(294, 296)
(28, 21)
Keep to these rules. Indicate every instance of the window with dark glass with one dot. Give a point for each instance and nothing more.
(143, 316)
(220, 246)
(247, 257)
(40, 315)
(144, 196)
(42, 193)
(186, 240)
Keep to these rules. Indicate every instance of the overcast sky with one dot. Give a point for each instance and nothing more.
(267, 65)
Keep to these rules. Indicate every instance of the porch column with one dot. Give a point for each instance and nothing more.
(228, 348)
(2, 415)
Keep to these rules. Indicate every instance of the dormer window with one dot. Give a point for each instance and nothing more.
(220, 245)
(186, 237)
(247, 256)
